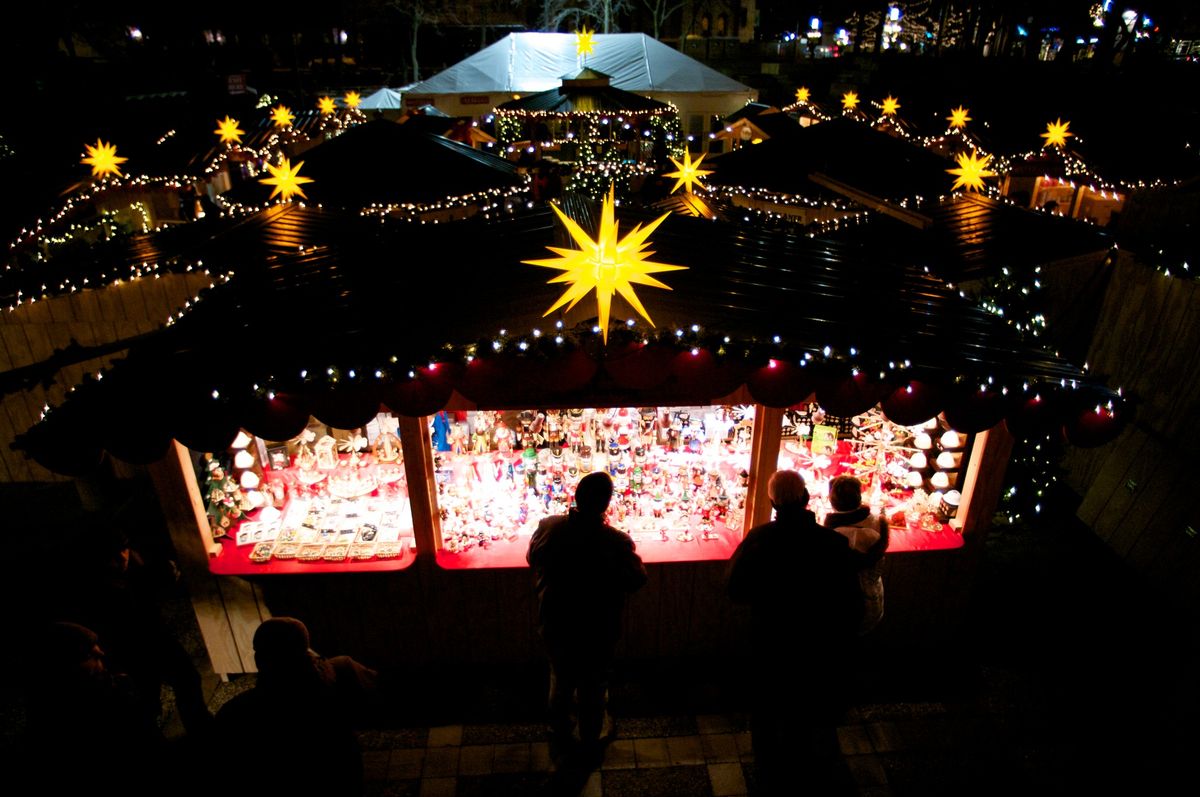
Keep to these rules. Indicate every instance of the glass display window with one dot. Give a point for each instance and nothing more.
(680, 477)
(911, 475)
(326, 500)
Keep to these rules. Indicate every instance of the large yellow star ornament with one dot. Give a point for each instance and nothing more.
(890, 105)
(103, 159)
(850, 100)
(286, 179)
(1056, 134)
(282, 116)
(958, 117)
(605, 265)
(802, 94)
(584, 42)
(352, 99)
(229, 131)
(689, 173)
(972, 168)
(326, 105)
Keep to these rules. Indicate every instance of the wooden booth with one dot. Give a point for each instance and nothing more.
(364, 430)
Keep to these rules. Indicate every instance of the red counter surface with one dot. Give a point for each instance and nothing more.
(651, 548)
(502, 553)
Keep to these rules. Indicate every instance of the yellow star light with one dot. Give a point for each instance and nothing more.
(890, 105)
(584, 44)
(689, 172)
(606, 265)
(286, 180)
(282, 116)
(850, 100)
(802, 94)
(1056, 134)
(103, 159)
(958, 117)
(352, 99)
(972, 168)
(229, 131)
(326, 105)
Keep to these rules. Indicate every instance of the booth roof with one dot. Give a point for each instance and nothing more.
(383, 100)
(382, 162)
(404, 314)
(528, 62)
(572, 97)
(842, 149)
(973, 237)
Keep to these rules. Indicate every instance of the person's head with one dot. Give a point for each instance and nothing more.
(845, 493)
(281, 644)
(72, 652)
(786, 490)
(593, 493)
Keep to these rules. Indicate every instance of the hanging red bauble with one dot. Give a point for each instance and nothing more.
(913, 403)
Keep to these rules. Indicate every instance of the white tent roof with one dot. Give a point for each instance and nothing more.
(528, 62)
(383, 100)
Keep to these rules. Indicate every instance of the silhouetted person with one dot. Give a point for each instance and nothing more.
(584, 569)
(867, 534)
(799, 579)
(114, 594)
(86, 730)
(293, 733)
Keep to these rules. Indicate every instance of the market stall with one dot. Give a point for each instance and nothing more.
(767, 352)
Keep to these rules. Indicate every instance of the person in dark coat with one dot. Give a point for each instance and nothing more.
(86, 730)
(800, 581)
(117, 595)
(584, 569)
(293, 733)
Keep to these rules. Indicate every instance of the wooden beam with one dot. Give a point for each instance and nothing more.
(983, 483)
(909, 217)
(764, 460)
(422, 489)
(224, 610)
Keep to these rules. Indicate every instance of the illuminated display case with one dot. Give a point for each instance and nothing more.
(680, 475)
(326, 500)
(912, 475)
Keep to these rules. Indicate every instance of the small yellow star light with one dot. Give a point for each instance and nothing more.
(850, 100)
(326, 105)
(890, 105)
(229, 131)
(606, 265)
(352, 99)
(958, 117)
(584, 43)
(282, 116)
(1056, 134)
(103, 159)
(286, 180)
(972, 168)
(689, 172)
(802, 94)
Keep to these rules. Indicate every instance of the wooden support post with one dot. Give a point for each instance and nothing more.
(422, 489)
(983, 483)
(764, 460)
(228, 610)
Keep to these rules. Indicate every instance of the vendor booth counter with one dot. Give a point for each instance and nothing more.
(334, 501)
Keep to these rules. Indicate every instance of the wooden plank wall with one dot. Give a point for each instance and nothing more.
(30, 334)
(426, 616)
(1137, 490)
